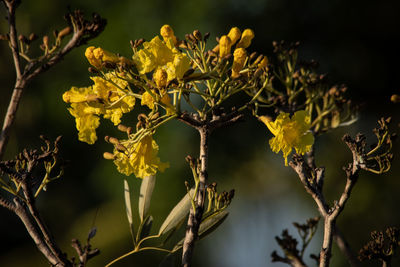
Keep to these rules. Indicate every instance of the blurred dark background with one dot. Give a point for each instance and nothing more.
(355, 42)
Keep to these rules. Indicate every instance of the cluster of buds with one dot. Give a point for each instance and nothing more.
(218, 201)
(382, 246)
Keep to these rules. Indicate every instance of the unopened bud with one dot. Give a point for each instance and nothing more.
(122, 128)
(197, 35)
(32, 37)
(46, 41)
(395, 98)
(22, 38)
(111, 140)
(64, 32)
(93, 70)
(108, 155)
(120, 148)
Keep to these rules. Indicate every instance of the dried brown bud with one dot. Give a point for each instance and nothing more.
(93, 70)
(64, 32)
(108, 155)
(46, 41)
(109, 65)
(395, 98)
(111, 140)
(197, 35)
(253, 55)
(32, 37)
(120, 148)
(122, 128)
(22, 38)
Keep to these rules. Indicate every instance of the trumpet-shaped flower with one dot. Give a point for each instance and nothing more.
(140, 158)
(158, 54)
(290, 133)
(107, 97)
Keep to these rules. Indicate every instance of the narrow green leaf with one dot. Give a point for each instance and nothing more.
(178, 213)
(128, 206)
(211, 223)
(207, 226)
(146, 190)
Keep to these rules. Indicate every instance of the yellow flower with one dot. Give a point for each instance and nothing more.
(139, 158)
(239, 58)
(245, 41)
(105, 97)
(159, 54)
(290, 133)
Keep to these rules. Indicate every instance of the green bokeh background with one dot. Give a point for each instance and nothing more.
(354, 41)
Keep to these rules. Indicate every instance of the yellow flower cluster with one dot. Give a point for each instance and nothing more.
(290, 133)
(107, 97)
(158, 54)
(242, 41)
(98, 56)
(139, 158)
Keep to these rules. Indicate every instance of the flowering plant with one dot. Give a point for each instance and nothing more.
(206, 87)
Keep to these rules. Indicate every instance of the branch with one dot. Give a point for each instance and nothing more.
(195, 216)
(83, 31)
(312, 179)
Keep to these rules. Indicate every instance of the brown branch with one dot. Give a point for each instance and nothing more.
(83, 31)
(312, 179)
(31, 228)
(194, 219)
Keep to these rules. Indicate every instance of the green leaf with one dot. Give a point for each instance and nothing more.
(178, 213)
(145, 227)
(128, 205)
(146, 190)
(211, 223)
(207, 226)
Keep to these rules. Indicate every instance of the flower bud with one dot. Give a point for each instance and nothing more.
(46, 41)
(160, 76)
(225, 45)
(234, 34)
(239, 58)
(197, 35)
(395, 98)
(120, 148)
(245, 41)
(64, 32)
(111, 140)
(168, 33)
(108, 155)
